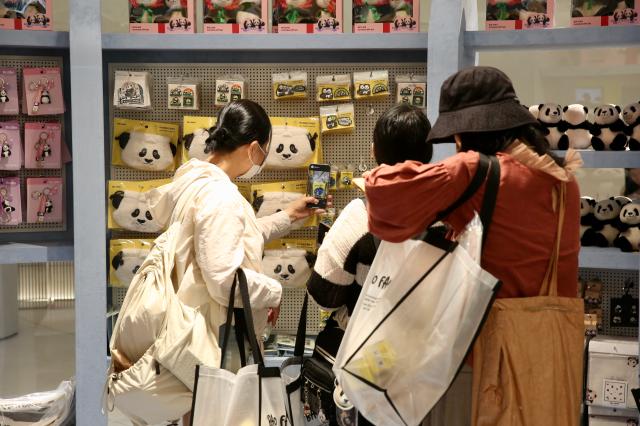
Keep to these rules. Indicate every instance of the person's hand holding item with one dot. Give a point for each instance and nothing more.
(274, 314)
(298, 209)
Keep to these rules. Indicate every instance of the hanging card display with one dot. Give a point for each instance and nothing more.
(132, 90)
(291, 85)
(45, 200)
(371, 84)
(519, 14)
(9, 104)
(183, 93)
(310, 16)
(10, 146)
(145, 145)
(42, 91)
(230, 88)
(10, 201)
(386, 16)
(26, 15)
(337, 119)
(412, 90)
(331, 88)
(162, 16)
(235, 16)
(599, 13)
(42, 145)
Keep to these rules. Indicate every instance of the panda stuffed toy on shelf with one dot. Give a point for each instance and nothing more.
(550, 118)
(608, 129)
(629, 238)
(131, 211)
(290, 267)
(577, 126)
(534, 110)
(587, 217)
(291, 147)
(147, 151)
(631, 117)
(127, 262)
(607, 225)
(196, 143)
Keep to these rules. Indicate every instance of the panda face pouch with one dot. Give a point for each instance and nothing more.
(10, 146)
(196, 131)
(145, 146)
(295, 143)
(42, 145)
(129, 206)
(44, 200)
(9, 104)
(126, 257)
(10, 202)
(290, 267)
(42, 92)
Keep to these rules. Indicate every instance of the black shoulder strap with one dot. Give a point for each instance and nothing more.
(227, 326)
(301, 335)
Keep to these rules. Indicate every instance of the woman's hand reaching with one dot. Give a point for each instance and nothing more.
(298, 209)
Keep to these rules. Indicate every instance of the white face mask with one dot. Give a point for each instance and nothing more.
(255, 168)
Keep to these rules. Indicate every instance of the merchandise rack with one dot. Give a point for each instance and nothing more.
(449, 47)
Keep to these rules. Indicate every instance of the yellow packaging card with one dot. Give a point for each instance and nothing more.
(308, 244)
(337, 119)
(371, 84)
(292, 85)
(195, 131)
(125, 188)
(333, 182)
(270, 198)
(295, 143)
(125, 258)
(145, 145)
(346, 179)
(331, 88)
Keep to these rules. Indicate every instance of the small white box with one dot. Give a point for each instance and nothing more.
(612, 417)
(613, 372)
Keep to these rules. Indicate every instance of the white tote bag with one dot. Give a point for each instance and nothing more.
(420, 308)
(251, 397)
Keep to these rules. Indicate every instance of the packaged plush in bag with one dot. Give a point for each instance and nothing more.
(292, 85)
(235, 17)
(9, 103)
(599, 13)
(183, 93)
(371, 84)
(145, 145)
(386, 16)
(230, 88)
(295, 143)
(26, 15)
(42, 145)
(10, 201)
(333, 88)
(42, 91)
(313, 16)
(126, 257)
(10, 146)
(51, 408)
(129, 206)
(519, 14)
(45, 200)
(337, 119)
(412, 90)
(195, 132)
(132, 90)
(162, 16)
(271, 198)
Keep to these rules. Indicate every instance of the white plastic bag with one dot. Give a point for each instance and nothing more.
(50, 408)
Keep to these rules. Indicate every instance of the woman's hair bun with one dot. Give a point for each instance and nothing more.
(219, 137)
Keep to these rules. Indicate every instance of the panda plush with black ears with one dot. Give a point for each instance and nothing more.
(196, 144)
(631, 116)
(553, 127)
(607, 225)
(629, 238)
(577, 126)
(608, 129)
(587, 217)
(147, 151)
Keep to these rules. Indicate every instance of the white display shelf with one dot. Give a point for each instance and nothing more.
(556, 38)
(272, 42)
(608, 159)
(608, 258)
(13, 253)
(34, 39)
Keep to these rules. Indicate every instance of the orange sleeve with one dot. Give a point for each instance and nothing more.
(405, 198)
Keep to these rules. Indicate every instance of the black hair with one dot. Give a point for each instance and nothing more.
(401, 135)
(490, 143)
(239, 123)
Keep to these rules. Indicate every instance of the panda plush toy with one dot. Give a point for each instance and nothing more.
(196, 142)
(131, 211)
(146, 151)
(127, 262)
(606, 226)
(629, 238)
(290, 267)
(291, 147)
(631, 117)
(608, 129)
(534, 110)
(550, 118)
(577, 126)
(587, 217)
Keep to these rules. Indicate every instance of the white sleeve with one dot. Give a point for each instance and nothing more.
(219, 249)
(274, 226)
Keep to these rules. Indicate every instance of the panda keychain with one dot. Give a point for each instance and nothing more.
(46, 205)
(42, 148)
(36, 87)
(45, 97)
(4, 96)
(7, 209)
(5, 148)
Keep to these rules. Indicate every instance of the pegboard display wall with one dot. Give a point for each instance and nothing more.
(18, 63)
(351, 149)
(613, 282)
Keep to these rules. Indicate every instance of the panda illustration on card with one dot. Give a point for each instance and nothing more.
(608, 129)
(131, 211)
(291, 147)
(127, 262)
(146, 151)
(289, 267)
(631, 117)
(196, 144)
(553, 127)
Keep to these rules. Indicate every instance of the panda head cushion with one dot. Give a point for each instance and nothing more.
(587, 206)
(272, 202)
(196, 144)
(131, 211)
(630, 214)
(291, 147)
(606, 115)
(631, 114)
(290, 267)
(146, 151)
(127, 262)
(550, 113)
(608, 210)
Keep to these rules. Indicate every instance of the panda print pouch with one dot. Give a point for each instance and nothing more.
(9, 104)
(145, 146)
(371, 84)
(129, 206)
(42, 91)
(10, 146)
(290, 267)
(291, 85)
(44, 200)
(195, 132)
(42, 145)
(337, 119)
(126, 257)
(10, 201)
(132, 90)
(295, 143)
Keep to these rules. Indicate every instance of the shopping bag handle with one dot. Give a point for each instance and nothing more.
(301, 335)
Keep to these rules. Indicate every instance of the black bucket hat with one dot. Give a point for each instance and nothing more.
(478, 99)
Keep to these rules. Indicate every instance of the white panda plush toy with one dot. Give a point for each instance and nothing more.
(629, 238)
(146, 151)
(608, 129)
(127, 262)
(631, 116)
(132, 212)
(606, 226)
(534, 110)
(196, 143)
(291, 147)
(577, 126)
(550, 117)
(587, 217)
(290, 266)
